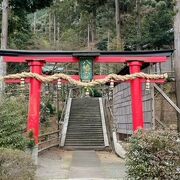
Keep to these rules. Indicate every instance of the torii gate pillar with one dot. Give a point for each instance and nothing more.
(136, 94)
(34, 99)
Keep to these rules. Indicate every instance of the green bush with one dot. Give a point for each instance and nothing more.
(16, 164)
(96, 93)
(13, 121)
(154, 155)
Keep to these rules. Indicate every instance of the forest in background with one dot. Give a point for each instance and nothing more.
(91, 25)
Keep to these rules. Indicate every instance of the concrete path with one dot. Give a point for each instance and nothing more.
(56, 164)
(85, 164)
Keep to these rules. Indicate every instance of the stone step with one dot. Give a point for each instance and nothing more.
(87, 107)
(81, 129)
(85, 140)
(83, 112)
(78, 116)
(84, 133)
(85, 115)
(74, 147)
(70, 139)
(86, 125)
(90, 139)
(98, 124)
(80, 143)
(85, 145)
(94, 126)
(88, 104)
(85, 119)
(92, 119)
(84, 137)
(84, 129)
(89, 121)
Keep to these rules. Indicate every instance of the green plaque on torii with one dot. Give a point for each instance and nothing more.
(86, 69)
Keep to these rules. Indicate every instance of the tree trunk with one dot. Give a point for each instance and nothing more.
(88, 37)
(54, 35)
(34, 23)
(177, 57)
(58, 35)
(118, 26)
(50, 24)
(4, 39)
(93, 33)
(138, 19)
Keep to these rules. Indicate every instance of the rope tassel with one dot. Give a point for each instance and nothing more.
(108, 78)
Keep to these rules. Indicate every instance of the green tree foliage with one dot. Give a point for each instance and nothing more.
(90, 5)
(29, 5)
(13, 112)
(72, 18)
(20, 35)
(156, 25)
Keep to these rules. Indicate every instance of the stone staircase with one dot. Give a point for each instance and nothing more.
(85, 129)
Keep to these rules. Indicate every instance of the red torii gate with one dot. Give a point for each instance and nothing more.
(37, 59)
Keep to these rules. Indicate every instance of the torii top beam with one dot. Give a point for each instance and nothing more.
(21, 56)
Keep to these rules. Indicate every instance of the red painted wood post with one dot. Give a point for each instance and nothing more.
(35, 99)
(136, 94)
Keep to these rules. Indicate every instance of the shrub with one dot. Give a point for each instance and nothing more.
(13, 120)
(96, 93)
(154, 155)
(16, 164)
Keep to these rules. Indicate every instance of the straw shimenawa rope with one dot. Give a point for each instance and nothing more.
(108, 78)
